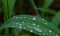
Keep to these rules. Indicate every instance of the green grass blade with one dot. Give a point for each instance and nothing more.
(34, 6)
(47, 3)
(10, 5)
(47, 10)
(4, 7)
(33, 24)
(56, 19)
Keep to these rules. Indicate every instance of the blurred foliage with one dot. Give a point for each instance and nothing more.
(29, 18)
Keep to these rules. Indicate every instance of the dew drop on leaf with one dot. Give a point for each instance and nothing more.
(16, 17)
(56, 34)
(38, 29)
(50, 31)
(24, 27)
(33, 18)
(24, 17)
(20, 24)
(21, 18)
(33, 24)
(38, 26)
(43, 33)
(22, 21)
(20, 27)
(31, 31)
(43, 20)
(45, 23)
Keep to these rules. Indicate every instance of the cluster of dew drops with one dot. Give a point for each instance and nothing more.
(34, 19)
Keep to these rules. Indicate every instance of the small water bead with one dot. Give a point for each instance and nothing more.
(46, 23)
(56, 34)
(24, 27)
(38, 25)
(20, 24)
(22, 21)
(50, 31)
(44, 34)
(31, 30)
(24, 17)
(20, 27)
(43, 20)
(33, 18)
(21, 17)
(38, 29)
(16, 17)
(33, 24)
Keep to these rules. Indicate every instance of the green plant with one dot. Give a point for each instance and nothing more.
(34, 24)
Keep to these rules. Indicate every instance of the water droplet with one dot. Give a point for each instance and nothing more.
(31, 31)
(24, 27)
(38, 29)
(16, 17)
(33, 24)
(43, 20)
(45, 23)
(50, 31)
(24, 17)
(33, 18)
(38, 26)
(22, 21)
(20, 27)
(43, 33)
(56, 34)
(20, 24)
(21, 17)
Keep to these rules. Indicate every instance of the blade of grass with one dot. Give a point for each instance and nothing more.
(34, 6)
(47, 10)
(32, 24)
(56, 19)
(10, 5)
(47, 3)
(5, 9)
(8, 9)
